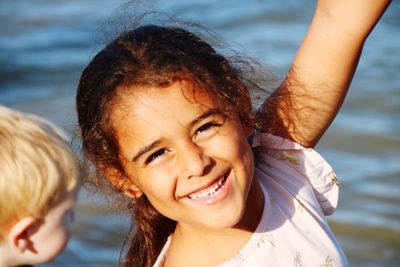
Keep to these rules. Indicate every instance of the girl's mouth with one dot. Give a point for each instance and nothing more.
(212, 191)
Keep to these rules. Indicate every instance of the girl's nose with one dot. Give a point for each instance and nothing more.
(193, 161)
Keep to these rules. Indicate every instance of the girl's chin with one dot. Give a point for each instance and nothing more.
(221, 221)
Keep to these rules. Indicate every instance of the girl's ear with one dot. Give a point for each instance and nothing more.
(120, 181)
(248, 131)
(18, 237)
(248, 128)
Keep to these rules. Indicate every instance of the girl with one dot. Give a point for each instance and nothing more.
(169, 122)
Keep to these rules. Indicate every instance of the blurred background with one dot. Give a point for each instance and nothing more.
(45, 44)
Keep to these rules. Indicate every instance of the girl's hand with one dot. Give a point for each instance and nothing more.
(351, 17)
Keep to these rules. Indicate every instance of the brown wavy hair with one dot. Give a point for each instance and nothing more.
(152, 55)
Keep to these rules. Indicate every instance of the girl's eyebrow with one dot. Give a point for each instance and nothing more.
(147, 148)
(208, 113)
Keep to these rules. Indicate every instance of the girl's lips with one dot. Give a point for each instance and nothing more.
(213, 193)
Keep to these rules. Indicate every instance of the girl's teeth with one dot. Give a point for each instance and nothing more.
(214, 190)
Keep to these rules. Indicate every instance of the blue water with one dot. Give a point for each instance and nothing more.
(45, 44)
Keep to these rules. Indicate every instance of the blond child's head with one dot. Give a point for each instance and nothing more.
(38, 182)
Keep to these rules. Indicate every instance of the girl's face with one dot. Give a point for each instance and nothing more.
(189, 157)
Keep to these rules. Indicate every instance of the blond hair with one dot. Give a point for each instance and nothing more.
(37, 166)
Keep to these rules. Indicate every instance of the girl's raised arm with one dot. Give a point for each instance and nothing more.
(306, 102)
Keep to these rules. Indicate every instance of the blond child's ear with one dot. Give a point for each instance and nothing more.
(120, 181)
(19, 235)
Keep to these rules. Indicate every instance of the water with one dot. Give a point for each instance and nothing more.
(45, 44)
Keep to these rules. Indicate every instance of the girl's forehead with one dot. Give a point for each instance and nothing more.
(149, 103)
(132, 99)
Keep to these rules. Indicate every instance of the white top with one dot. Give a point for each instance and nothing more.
(299, 188)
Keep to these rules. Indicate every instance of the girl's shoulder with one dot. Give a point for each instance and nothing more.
(296, 166)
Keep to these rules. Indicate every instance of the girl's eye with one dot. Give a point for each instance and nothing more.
(207, 126)
(155, 155)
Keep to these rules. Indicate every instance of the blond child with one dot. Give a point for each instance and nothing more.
(38, 187)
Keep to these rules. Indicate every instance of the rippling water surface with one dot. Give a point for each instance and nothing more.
(45, 44)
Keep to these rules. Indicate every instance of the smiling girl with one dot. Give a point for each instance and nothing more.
(168, 121)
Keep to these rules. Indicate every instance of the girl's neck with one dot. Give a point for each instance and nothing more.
(210, 247)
